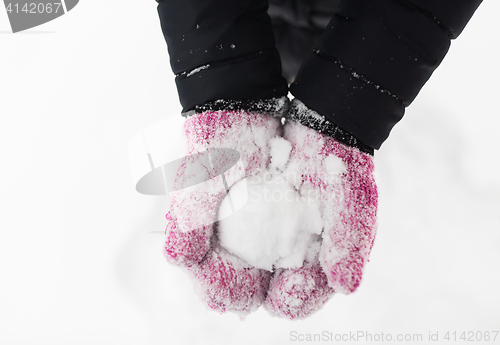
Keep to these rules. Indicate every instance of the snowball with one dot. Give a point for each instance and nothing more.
(276, 227)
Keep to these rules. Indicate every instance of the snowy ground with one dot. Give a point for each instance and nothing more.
(81, 252)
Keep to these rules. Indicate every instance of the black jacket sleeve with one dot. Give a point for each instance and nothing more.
(297, 25)
(221, 49)
(373, 59)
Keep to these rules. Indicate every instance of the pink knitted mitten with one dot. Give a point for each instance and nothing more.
(215, 139)
(341, 179)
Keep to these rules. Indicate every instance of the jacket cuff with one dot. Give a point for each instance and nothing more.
(221, 49)
(301, 114)
(276, 107)
(374, 58)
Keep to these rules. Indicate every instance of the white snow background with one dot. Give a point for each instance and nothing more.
(81, 252)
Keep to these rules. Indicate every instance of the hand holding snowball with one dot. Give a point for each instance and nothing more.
(302, 228)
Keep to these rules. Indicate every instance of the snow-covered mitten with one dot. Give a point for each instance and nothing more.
(214, 135)
(340, 178)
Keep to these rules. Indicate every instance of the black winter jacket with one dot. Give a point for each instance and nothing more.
(367, 65)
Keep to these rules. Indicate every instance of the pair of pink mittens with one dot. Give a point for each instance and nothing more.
(340, 177)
